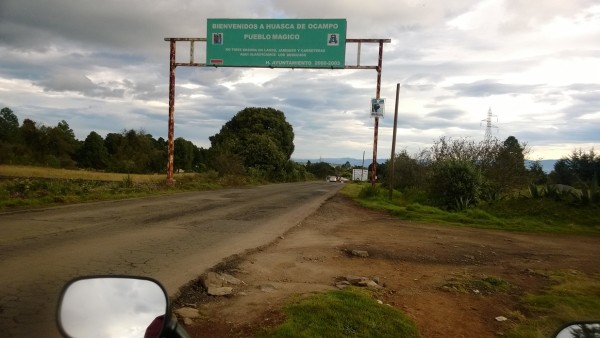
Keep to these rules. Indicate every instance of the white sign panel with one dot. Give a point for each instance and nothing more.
(360, 175)
(377, 107)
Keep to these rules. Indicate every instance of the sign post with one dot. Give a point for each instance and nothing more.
(272, 43)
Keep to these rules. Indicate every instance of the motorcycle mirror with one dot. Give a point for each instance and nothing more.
(112, 306)
(579, 329)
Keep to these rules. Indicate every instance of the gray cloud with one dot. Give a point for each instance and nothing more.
(108, 63)
(484, 88)
(447, 114)
(70, 80)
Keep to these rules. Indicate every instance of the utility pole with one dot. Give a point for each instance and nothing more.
(393, 157)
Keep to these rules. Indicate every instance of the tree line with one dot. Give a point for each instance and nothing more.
(458, 173)
(257, 142)
(130, 151)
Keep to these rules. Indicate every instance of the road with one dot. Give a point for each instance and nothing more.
(172, 238)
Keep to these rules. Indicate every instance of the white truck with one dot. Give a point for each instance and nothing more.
(360, 175)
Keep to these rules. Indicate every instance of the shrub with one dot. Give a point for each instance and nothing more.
(454, 185)
(369, 191)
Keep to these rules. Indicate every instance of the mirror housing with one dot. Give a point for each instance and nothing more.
(579, 329)
(113, 306)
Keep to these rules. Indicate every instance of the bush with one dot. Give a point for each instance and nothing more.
(454, 185)
(369, 191)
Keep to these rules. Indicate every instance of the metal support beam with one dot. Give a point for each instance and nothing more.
(173, 65)
(171, 143)
(376, 129)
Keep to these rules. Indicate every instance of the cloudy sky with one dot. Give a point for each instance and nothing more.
(104, 66)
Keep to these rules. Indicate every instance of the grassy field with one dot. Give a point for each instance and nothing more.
(573, 296)
(517, 214)
(23, 187)
(43, 172)
(347, 313)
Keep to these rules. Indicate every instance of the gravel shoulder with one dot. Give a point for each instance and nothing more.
(424, 269)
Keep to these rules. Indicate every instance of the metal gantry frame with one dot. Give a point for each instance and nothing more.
(173, 64)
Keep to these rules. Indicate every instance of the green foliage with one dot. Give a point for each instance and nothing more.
(514, 214)
(9, 126)
(320, 169)
(580, 169)
(408, 172)
(226, 163)
(93, 153)
(184, 156)
(260, 137)
(127, 182)
(454, 185)
(490, 191)
(343, 314)
(573, 296)
(370, 191)
(534, 192)
(467, 283)
(18, 193)
(536, 173)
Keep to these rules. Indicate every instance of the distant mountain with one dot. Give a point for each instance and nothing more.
(547, 165)
(340, 161)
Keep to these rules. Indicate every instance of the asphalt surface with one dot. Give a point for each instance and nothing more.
(171, 238)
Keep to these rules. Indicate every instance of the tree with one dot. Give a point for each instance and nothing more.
(34, 142)
(184, 154)
(579, 169)
(562, 173)
(482, 154)
(93, 153)
(9, 136)
(508, 171)
(584, 165)
(260, 137)
(62, 144)
(134, 152)
(9, 126)
(320, 169)
(408, 172)
(537, 175)
(455, 184)
(380, 171)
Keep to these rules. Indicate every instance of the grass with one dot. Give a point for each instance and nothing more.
(487, 285)
(574, 296)
(23, 187)
(516, 214)
(44, 172)
(347, 313)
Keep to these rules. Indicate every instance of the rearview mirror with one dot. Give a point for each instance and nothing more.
(579, 330)
(112, 306)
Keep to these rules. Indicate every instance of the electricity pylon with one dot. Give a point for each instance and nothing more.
(489, 125)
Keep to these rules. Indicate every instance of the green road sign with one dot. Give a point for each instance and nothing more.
(277, 43)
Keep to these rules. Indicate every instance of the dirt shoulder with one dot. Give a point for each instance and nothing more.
(425, 270)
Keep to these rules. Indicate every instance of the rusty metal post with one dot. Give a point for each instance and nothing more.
(393, 157)
(376, 131)
(171, 143)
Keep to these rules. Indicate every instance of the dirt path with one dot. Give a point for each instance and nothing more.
(419, 265)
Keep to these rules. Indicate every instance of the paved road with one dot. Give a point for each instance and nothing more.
(172, 238)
